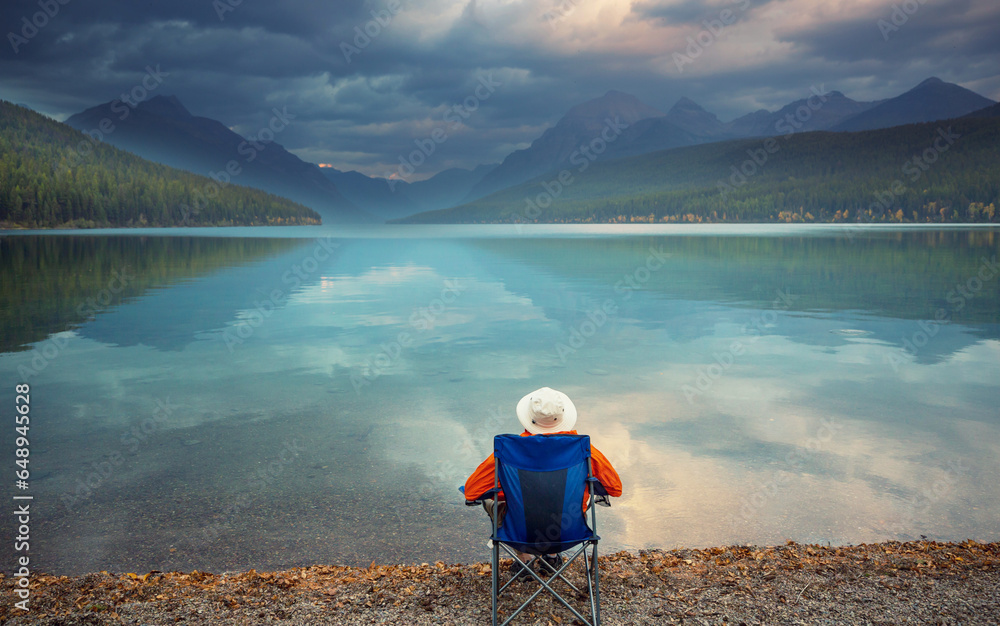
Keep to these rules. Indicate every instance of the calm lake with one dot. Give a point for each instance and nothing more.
(227, 399)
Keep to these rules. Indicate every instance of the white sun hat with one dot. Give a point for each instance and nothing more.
(546, 410)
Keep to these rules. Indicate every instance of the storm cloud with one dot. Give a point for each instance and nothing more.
(366, 79)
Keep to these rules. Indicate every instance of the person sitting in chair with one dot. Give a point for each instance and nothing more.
(544, 411)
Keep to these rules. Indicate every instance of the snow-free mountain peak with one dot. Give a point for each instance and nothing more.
(612, 104)
(931, 100)
(690, 116)
(602, 118)
(162, 129)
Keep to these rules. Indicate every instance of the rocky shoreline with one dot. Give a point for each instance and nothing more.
(922, 582)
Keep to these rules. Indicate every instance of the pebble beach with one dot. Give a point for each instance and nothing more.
(922, 582)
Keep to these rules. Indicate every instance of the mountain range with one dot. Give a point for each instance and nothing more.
(162, 130)
(556, 146)
(687, 123)
(53, 176)
(613, 126)
(945, 171)
(929, 101)
(390, 199)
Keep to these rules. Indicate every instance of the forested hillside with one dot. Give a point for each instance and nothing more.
(162, 130)
(54, 176)
(936, 172)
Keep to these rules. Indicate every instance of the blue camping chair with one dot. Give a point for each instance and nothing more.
(544, 480)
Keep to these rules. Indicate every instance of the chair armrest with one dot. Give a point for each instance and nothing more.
(601, 496)
(599, 489)
(479, 501)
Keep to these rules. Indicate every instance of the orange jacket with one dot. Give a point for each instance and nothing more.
(482, 479)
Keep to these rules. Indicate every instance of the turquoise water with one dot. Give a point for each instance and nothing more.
(224, 399)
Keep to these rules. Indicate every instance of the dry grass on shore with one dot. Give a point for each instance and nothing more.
(920, 582)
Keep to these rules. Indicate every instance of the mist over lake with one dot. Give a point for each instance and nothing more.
(227, 399)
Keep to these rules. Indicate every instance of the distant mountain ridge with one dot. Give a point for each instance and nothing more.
(556, 146)
(876, 175)
(613, 126)
(399, 198)
(820, 111)
(162, 129)
(687, 123)
(690, 116)
(991, 111)
(931, 100)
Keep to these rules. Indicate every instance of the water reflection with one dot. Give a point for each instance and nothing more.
(51, 284)
(748, 389)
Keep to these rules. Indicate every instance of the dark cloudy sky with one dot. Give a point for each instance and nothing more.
(234, 60)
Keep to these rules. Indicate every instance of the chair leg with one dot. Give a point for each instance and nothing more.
(547, 586)
(595, 597)
(517, 567)
(496, 579)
